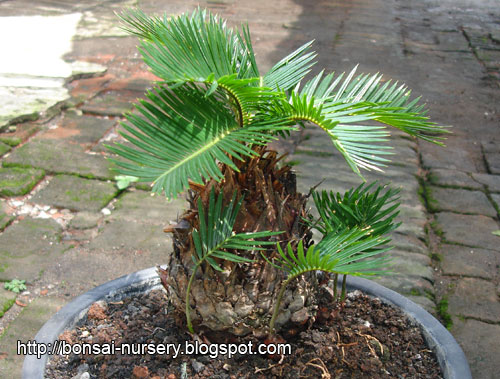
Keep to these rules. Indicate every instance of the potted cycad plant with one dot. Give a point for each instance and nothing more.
(244, 261)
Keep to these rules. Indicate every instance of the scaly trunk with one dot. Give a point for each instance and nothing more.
(240, 300)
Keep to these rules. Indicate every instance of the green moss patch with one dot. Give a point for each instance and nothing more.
(75, 193)
(4, 148)
(11, 141)
(17, 181)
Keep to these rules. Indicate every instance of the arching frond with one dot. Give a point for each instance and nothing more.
(181, 135)
(192, 47)
(344, 108)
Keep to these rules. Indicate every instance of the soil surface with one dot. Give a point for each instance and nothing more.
(361, 338)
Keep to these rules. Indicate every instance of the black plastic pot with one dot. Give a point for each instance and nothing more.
(449, 354)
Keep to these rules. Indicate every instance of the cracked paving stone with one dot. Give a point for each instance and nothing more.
(455, 157)
(475, 298)
(478, 340)
(85, 220)
(28, 247)
(132, 236)
(17, 181)
(5, 219)
(453, 178)
(4, 148)
(77, 194)
(84, 130)
(468, 261)
(460, 201)
(108, 104)
(60, 158)
(492, 182)
(457, 229)
(140, 205)
(496, 200)
(405, 284)
(411, 264)
(24, 328)
(493, 162)
(3, 213)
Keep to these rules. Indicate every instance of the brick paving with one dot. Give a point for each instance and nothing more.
(64, 227)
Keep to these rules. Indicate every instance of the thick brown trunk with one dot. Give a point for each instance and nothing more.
(240, 300)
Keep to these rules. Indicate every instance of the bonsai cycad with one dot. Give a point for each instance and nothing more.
(244, 260)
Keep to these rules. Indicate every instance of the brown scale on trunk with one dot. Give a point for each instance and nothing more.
(240, 300)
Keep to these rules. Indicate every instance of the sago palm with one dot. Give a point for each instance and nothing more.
(243, 259)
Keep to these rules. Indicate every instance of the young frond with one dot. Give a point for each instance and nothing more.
(192, 47)
(215, 236)
(365, 207)
(180, 134)
(349, 252)
(215, 233)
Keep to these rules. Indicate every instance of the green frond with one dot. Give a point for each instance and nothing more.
(348, 252)
(181, 135)
(366, 207)
(215, 234)
(289, 71)
(191, 47)
(341, 107)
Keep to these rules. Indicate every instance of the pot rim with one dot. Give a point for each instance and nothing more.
(450, 356)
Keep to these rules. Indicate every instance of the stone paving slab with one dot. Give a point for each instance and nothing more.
(142, 206)
(83, 130)
(26, 326)
(17, 181)
(457, 228)
(5, 219)
(456, 156)
(121, 247)
(85, 220)
(20, 133)
(493, 162)
(132, 236)
(492, 182)
(38, 250)
(4, 148)
(405, 284)
(467, 261)
(460, 201)
(60, 158)
(479, 340)
(6, 299)
(420, 264)
(109, 104)
(496, 201)
(475, 298)
(10, 140)
(76, 194)
(453, 179)
(409, 243)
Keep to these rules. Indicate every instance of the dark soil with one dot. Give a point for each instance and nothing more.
(363, 338)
